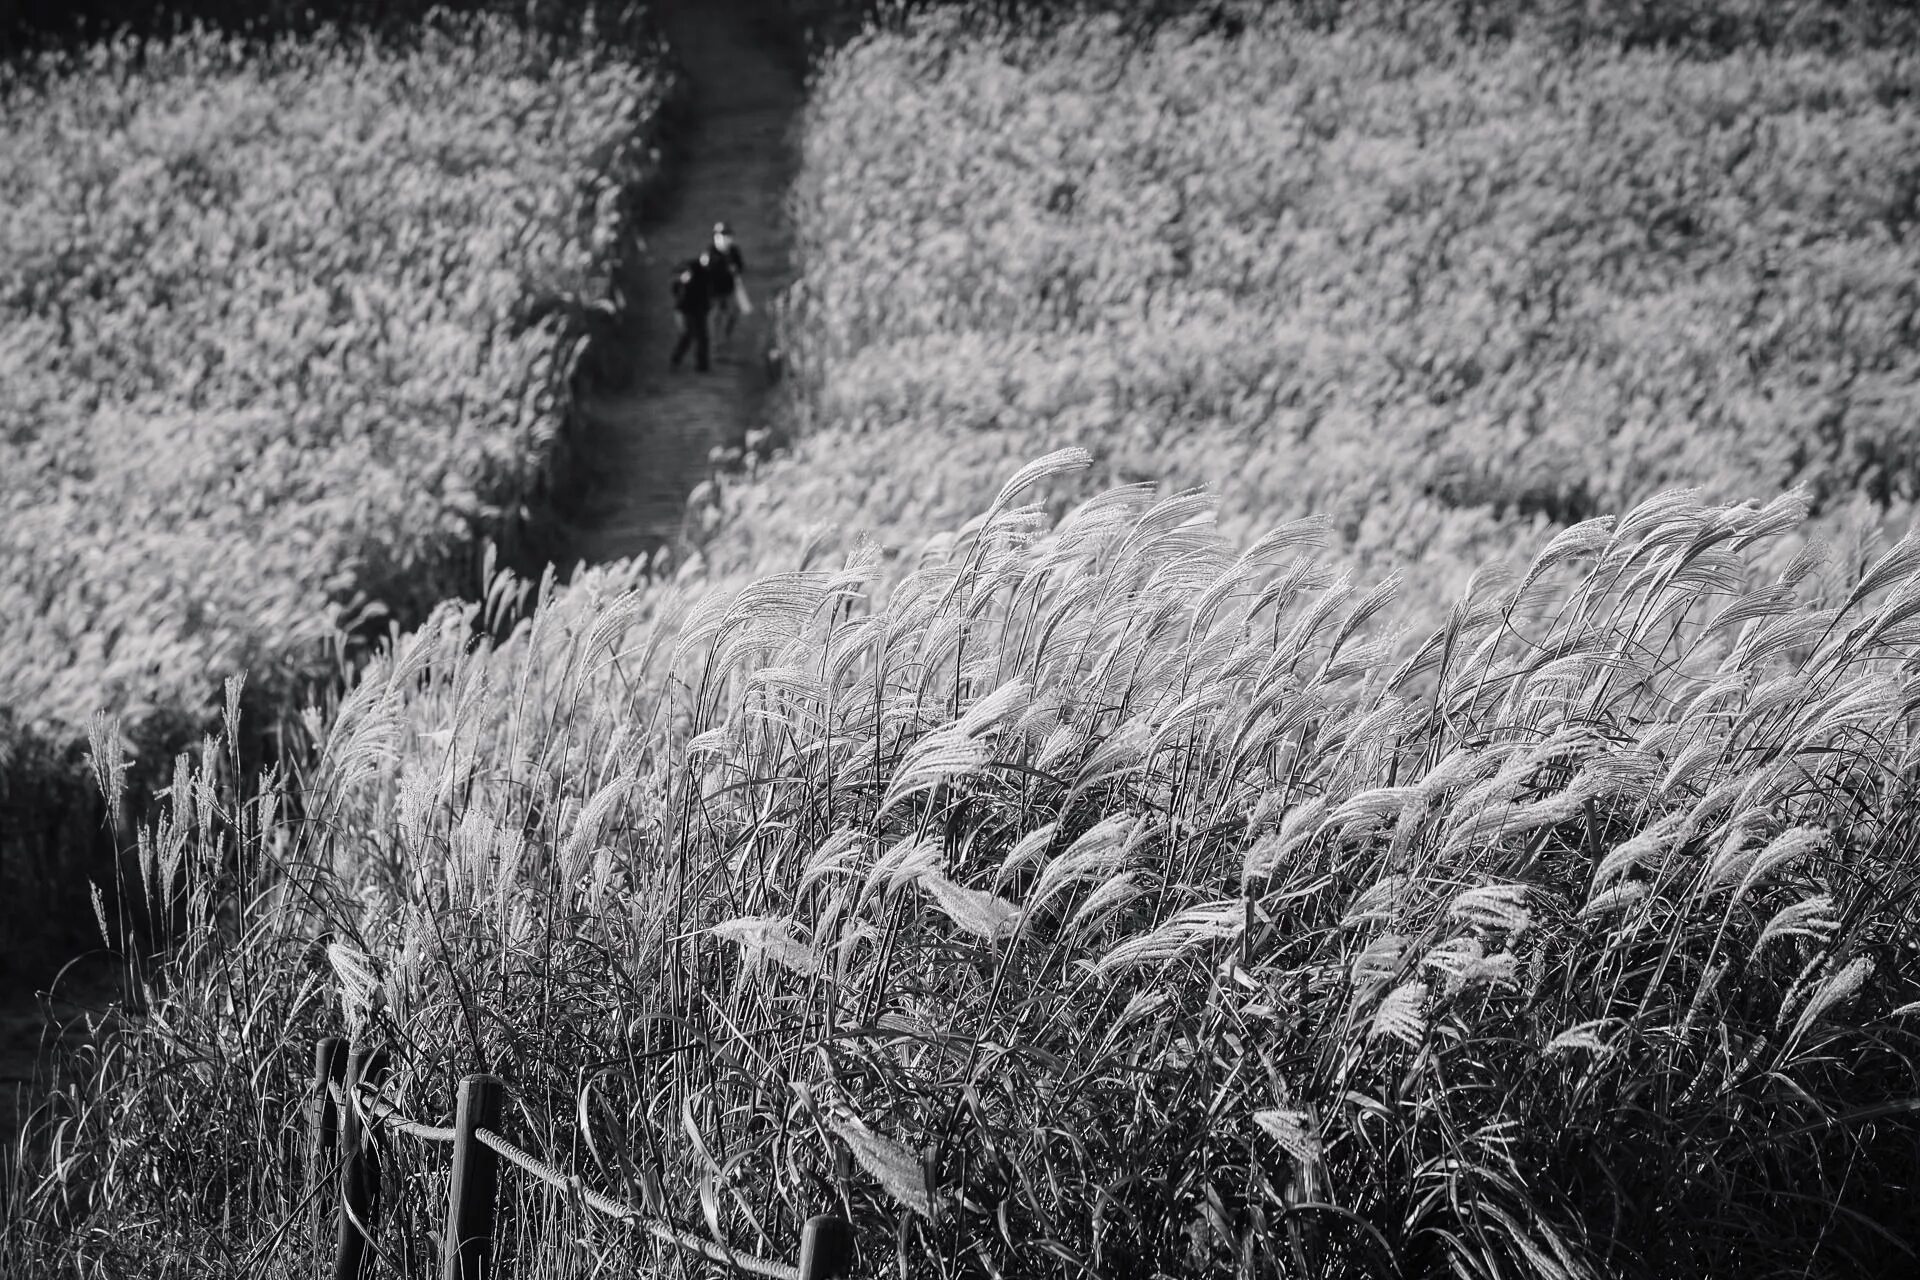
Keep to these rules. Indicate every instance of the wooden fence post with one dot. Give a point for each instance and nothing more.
(360, 1173)
(468, 1253)
(826, 1248)
(329, 1068)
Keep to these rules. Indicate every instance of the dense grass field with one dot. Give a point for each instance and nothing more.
(288, 330)
(1444, 849)
(1452, 294)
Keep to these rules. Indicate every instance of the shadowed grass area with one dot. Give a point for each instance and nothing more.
(1085, 896)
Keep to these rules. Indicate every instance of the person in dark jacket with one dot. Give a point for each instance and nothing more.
(692, 299)
(729, 277)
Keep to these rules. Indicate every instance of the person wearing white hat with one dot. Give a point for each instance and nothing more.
(728, 278)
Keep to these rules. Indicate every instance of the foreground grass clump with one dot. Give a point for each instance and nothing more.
(1091, 897)
(1452, 292)
(287, 328)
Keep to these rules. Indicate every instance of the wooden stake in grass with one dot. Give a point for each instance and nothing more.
(476, 1175)
(329, 1070)
(360, 1174)
(826, 1248)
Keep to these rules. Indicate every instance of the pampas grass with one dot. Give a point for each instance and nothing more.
(1069, 900)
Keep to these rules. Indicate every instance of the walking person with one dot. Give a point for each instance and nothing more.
(692, 299)
(729, 278)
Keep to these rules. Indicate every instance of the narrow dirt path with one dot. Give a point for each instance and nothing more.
(645, 446)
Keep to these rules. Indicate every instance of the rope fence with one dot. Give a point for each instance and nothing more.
(347, 1104)
(663, 1231)
(392, 1117)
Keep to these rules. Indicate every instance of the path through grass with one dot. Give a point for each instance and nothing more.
(647, 444)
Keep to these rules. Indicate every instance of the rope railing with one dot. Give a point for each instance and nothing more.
(392, 1117)
(347, 1101)
(661, 1230)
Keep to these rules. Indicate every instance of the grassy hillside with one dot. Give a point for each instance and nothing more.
(1093, 900)
(1433, 853)
(288, 329)
(1449, 292)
